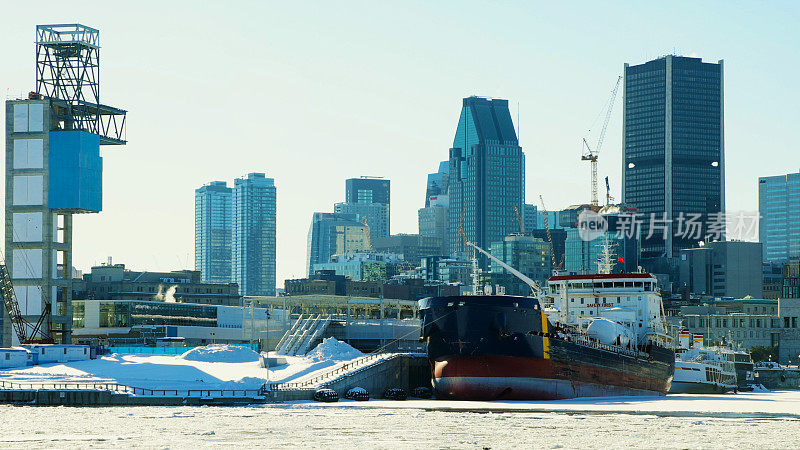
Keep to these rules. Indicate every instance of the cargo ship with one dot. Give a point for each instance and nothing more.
(590, 335)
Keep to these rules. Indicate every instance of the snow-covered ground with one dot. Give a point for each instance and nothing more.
(202, 368)
(382, 424)
(743, 404)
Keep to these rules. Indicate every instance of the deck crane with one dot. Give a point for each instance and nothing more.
(591, 155)
(549, 236)
(26, 332)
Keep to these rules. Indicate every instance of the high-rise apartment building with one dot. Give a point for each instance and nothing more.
(779, 210)
(673, 149)
(334, 234)
(213, 226)
(486, 176)
(253, 237)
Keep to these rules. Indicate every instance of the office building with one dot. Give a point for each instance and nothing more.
(487, 174)
(334, 234)
(213, 226)
(433, 221)
(367, 190)
(791, 279)
(115, 282)
(363, 266)
(437, 182)
(413, 247)
(528, 254)
(376, 215)
(253, 238)
(746, 323)
(673, 162)
(530, 217)
(723, 269)
(779, 208)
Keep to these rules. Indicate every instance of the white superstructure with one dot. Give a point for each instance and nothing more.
(700, 369)
(629, 299)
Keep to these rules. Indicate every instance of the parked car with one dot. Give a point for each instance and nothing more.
(422, 392)
(395, 394)
(358, 394)
(326, 395)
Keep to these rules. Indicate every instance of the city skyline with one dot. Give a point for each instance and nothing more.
(176, 134)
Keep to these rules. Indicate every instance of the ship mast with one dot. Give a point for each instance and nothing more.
(605, 264)
(537, 291)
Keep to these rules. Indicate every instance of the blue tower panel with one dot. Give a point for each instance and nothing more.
(76, 171)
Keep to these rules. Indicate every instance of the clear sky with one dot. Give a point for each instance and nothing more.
(313, 93)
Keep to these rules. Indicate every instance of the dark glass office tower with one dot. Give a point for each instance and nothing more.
(673, 149)
(487, 175)
(367, 190)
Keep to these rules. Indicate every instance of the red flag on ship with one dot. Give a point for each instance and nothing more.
(621, 259)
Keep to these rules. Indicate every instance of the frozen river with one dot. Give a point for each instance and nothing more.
(753, 420)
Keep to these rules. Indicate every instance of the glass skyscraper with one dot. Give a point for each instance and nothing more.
(253, 238)
(486, 176)
(779, 208)
(334, 233)
(213, 220)
(368, 198)
(673, 147)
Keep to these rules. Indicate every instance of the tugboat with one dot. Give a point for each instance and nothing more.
(700, 369)
(587, 336)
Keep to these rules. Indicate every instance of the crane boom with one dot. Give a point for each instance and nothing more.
(533, 285)
(592, 155)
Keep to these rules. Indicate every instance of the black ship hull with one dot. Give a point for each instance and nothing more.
(503, 347)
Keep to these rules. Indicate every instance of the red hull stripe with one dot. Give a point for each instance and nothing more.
(512, 367)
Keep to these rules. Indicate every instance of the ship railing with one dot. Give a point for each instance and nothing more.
(585, 340)
(133, 390)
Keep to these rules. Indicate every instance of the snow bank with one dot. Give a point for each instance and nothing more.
(333, 350)
(222, 353)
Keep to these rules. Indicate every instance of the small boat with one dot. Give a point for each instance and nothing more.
(700, 369)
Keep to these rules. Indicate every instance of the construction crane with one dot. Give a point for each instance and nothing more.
(591, 155)
(549, 236)
(26, 332)
(461, 227)
(609, 198)
(519, 219)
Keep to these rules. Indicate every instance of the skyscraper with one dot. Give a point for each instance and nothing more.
(333, 233)
(437, 182)
(368, 198)
(779, 208)
(376, 215)
(487, 174)
(213, 226)
(433, 221)
(367, 190)
(253, 239)
(673, 148)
